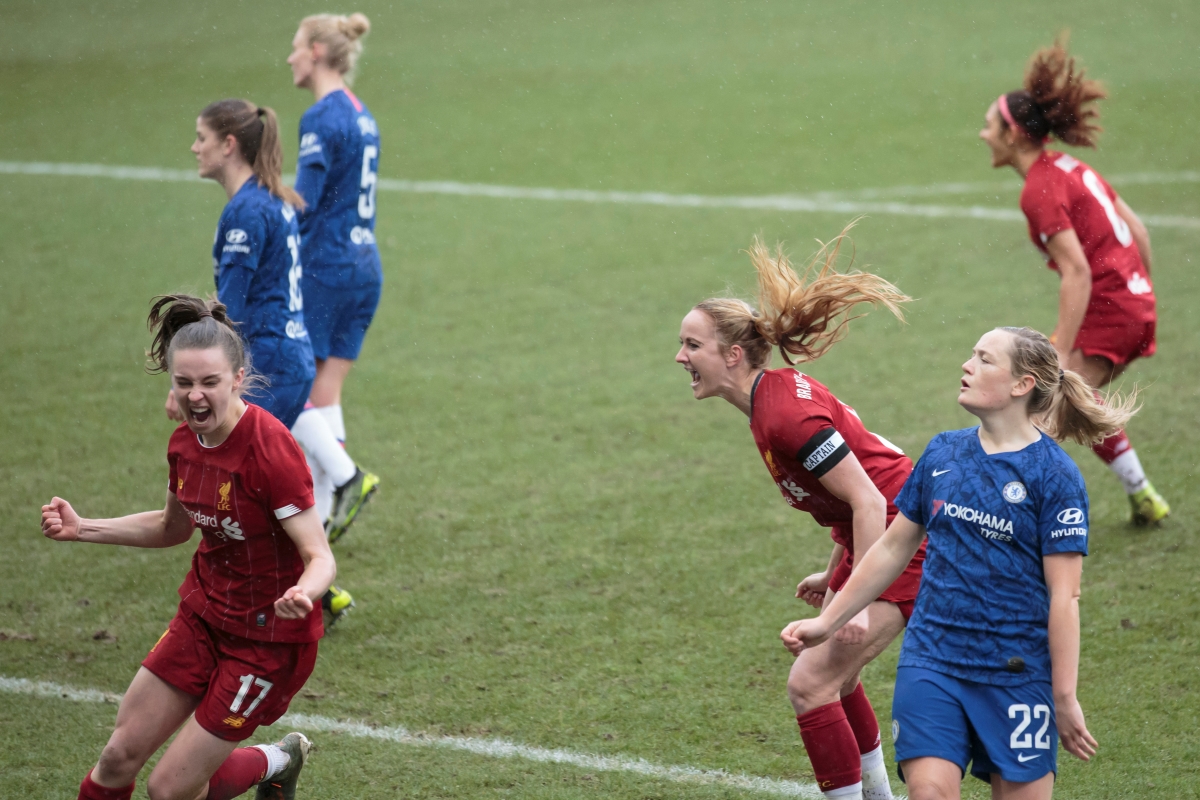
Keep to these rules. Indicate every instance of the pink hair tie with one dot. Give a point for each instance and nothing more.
(1012, 123)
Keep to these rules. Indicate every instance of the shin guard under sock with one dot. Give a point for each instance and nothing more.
(245, 767)
(90, 790)
(832, 748)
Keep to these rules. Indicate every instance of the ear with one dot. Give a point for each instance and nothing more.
(1023, 386)
(319, 51)
(238, 378)
(229, 146)
(734, 356)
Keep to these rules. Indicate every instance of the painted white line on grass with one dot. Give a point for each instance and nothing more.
(977, 187)
(492, 748)
(823, 203)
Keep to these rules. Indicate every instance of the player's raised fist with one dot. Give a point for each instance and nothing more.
(294, 604)
(812, 589)
(59, 521)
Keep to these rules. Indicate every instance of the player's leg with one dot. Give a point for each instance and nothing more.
(327, 388)
(1117, 451)
(150, 712)
(865, 726)
(815, 686)
(1041, 789)
(930, 778)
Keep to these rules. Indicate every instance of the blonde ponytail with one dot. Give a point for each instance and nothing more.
(802, 315)
(1061, 402)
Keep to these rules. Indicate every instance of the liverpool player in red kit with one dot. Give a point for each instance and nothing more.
(825, 462)
(245, 637)
(1099, 247)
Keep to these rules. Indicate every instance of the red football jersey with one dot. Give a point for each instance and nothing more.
(236, 493)
(1062, 192)
(803, 431)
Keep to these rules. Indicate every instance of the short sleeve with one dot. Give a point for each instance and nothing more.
(1063, 520)
(242, 239)
(909, 501)
(1045, 204)
(314, 144)
(807, 432)
(285, 475)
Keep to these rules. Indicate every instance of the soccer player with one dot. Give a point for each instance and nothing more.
(1089, 235)
(989, 665)
(825, 462)
(343, 277)
(244, 639)
(257, 266)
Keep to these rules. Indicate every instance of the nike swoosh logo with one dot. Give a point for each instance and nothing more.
(1023, 758)
(943, 472)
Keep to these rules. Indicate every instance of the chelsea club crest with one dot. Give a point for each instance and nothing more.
(1014, 492)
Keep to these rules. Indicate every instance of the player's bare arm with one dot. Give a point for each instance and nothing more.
(849, 482)
(1074, 291)
(1141, 236)
(813, 588)
(1064, 572)
(876, 570)
(152, 529)
(308, 534)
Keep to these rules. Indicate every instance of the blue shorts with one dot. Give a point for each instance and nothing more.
(1009, 731)
(337, 317)
(283, 402)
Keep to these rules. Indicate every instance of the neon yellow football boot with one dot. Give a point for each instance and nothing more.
(1149, 507)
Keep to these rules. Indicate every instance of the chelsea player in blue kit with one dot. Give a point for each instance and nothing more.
(343, 277)
(256, 262)
(988, 669)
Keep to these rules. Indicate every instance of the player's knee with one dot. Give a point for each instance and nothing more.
(806, 693)
(933, 787)
(165, 787)
(119, 763)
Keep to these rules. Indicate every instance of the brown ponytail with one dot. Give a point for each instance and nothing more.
(257, 133)
(185, 322)
(1053, 100)
(1063, 404)
(802, 315)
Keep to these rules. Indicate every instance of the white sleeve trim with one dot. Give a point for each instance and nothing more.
(290, 510)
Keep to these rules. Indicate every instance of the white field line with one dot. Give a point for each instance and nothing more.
(824, 203)
(492, 748)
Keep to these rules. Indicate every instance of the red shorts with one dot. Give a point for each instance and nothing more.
(902, 592)
(1119, 344)
(241, 683)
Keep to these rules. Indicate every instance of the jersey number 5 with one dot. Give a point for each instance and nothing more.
(366, 198)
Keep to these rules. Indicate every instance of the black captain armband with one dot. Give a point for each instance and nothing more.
(824, 451)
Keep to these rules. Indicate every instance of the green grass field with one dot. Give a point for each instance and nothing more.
(567, 550)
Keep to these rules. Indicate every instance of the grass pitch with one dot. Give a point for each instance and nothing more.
(567, 551)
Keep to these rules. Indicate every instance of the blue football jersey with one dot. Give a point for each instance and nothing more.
(983, 607)
(336, 176)
(256, 264)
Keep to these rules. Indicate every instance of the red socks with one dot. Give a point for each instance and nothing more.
(1113, 446)
(245, 767)
(862, 720)
(90, 790)
(832, 747)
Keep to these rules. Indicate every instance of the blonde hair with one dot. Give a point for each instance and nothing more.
(1062, 403)
(341, 36)
(803, 315)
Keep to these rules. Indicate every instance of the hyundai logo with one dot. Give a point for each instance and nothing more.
(236, 236)
(1070, 516)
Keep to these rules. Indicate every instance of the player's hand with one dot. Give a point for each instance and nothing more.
(804, 633)
(294, 604)
(172, 408)
(60, 522)
(854, 631)
(812, 589)
(1072, 731)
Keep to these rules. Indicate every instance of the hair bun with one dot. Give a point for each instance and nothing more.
(356, 26)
